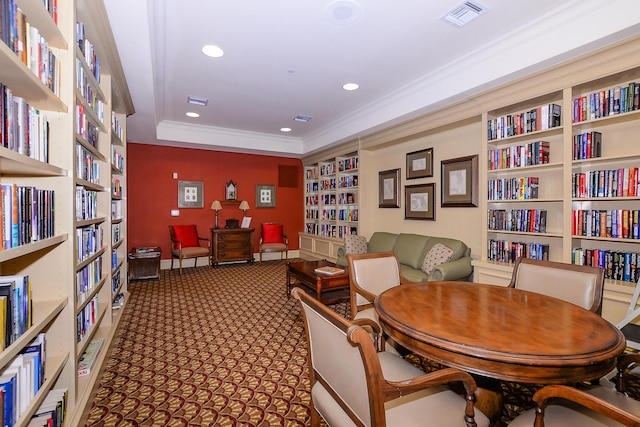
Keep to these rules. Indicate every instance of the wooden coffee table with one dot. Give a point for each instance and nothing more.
(327, 289)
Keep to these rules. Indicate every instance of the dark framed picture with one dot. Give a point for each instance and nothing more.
(460, 182)
(420, 164)
(190, 194)
(419, 202)
(389, 189)
(265, 196)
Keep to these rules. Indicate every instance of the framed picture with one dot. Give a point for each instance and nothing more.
(460, 182)
(246, 222)
(419, 202)
(389, 189)
(265, 196)
(231, 190)
(420, 164)
(190, 194)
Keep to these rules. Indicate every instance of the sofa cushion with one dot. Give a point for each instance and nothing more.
(354, 244)
(412, 274)
(381, 241)
(410, 249)
(458, 247)
(438, 254)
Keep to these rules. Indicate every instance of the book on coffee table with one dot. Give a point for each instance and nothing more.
(329, 270)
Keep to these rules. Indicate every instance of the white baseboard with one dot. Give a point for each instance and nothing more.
(165, 264)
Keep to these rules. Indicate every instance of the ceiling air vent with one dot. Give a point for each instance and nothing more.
(301, 118)
(464, 13)
(196, 100)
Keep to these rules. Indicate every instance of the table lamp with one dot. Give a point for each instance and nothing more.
(216, 205)
(244, 205)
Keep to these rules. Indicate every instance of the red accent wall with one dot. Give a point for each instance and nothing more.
(152, 192)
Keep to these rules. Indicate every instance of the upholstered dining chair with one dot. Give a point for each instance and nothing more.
(369, 275)
(273, 239)
(560, 405)
(578, 284)
(186, 243)
(352, 384)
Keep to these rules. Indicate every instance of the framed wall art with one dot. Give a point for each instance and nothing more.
(420, 164)
(460, 182)
(419, 202)
(389, 189)
(190, 194)
(265, 196)
(231, 190)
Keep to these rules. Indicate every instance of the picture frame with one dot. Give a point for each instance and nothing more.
(389, 188)
(420, 202)
(265, 196)
(190, 194)
(246, 222)
(459, 179)
(420, 164)
(230, 190)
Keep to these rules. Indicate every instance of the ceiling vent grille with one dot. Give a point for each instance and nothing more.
(464, 13)
(300, 118)
(196, 100)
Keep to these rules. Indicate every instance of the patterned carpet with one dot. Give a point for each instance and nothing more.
(213, 347)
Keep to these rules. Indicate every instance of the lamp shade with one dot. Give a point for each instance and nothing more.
(216, 205)
(244, 205)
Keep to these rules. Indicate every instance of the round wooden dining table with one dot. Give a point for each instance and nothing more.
(501, 333)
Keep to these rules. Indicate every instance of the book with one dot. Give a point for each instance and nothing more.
(329, 270)
(89, 356)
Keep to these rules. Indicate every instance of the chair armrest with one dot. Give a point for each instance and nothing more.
(545, 394)
(207, 239)
(625, 363)
(459, 269)
(175, 242)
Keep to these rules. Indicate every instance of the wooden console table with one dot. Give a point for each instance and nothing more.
(231, 244)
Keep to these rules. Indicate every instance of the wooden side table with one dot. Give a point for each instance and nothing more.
(231, 244)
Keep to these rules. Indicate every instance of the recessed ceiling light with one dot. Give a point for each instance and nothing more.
(350, 86)
(285, 129)
(212, 51)
(342, 12)
(192, 114)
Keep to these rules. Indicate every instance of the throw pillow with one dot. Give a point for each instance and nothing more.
(187, 234)
(437, 255)
(272, 233)
(354, 244)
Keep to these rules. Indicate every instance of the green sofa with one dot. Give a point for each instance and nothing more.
(411, 250)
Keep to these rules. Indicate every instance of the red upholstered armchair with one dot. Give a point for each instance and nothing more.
(185, 243)
(272, 239)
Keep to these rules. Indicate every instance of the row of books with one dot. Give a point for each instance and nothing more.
(116, 282)
(86, 318)
(89, 240)
(311, 228)
(88, 50)
(86, 204)
(507, 251)
(26, 42)
(328, 199)
(88, 277)
(607, 102)
(27, 215)
(116, 209)
(519, 188)
(117, 128)
(327, 169)
(88, 358)
(587, 145)
(52, 410)
(328, 230)
(622, 182)
(311, 173)
(348, 164)
(117, 159)
(328, 214)
(348, 181)
(312, 187)
(86, 89)
(348, 214)
(85, 128)
(328, 184)
(22, 379)
(15, 308)
(534, 153)
(347, 230)
(51, 6)
(115, 233)
(23, 128)
(617, 265)
(347, 198)
(116, 187)
(311, 213)
(614, 223)
(87, 167)
(522, 220)
(544, 117)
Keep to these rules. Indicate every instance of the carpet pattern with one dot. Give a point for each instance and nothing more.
(215, 347)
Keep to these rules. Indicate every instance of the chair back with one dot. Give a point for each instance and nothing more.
(371, 274)
(578, 284)
(346, 367)
(272, 232)
(184, 236)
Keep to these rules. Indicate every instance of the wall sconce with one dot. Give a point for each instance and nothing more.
(216, 206)
(244, 205)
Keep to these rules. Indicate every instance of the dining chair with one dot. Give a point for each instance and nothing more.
(273, 239)
(369, 275)
(578, 284)
(185, 244)
(561, 405)
(353, 384)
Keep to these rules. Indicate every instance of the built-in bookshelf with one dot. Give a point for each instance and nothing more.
(59, 174)
(583, 163)
(331, 204)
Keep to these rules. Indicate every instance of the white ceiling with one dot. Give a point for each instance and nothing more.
(285, 58)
